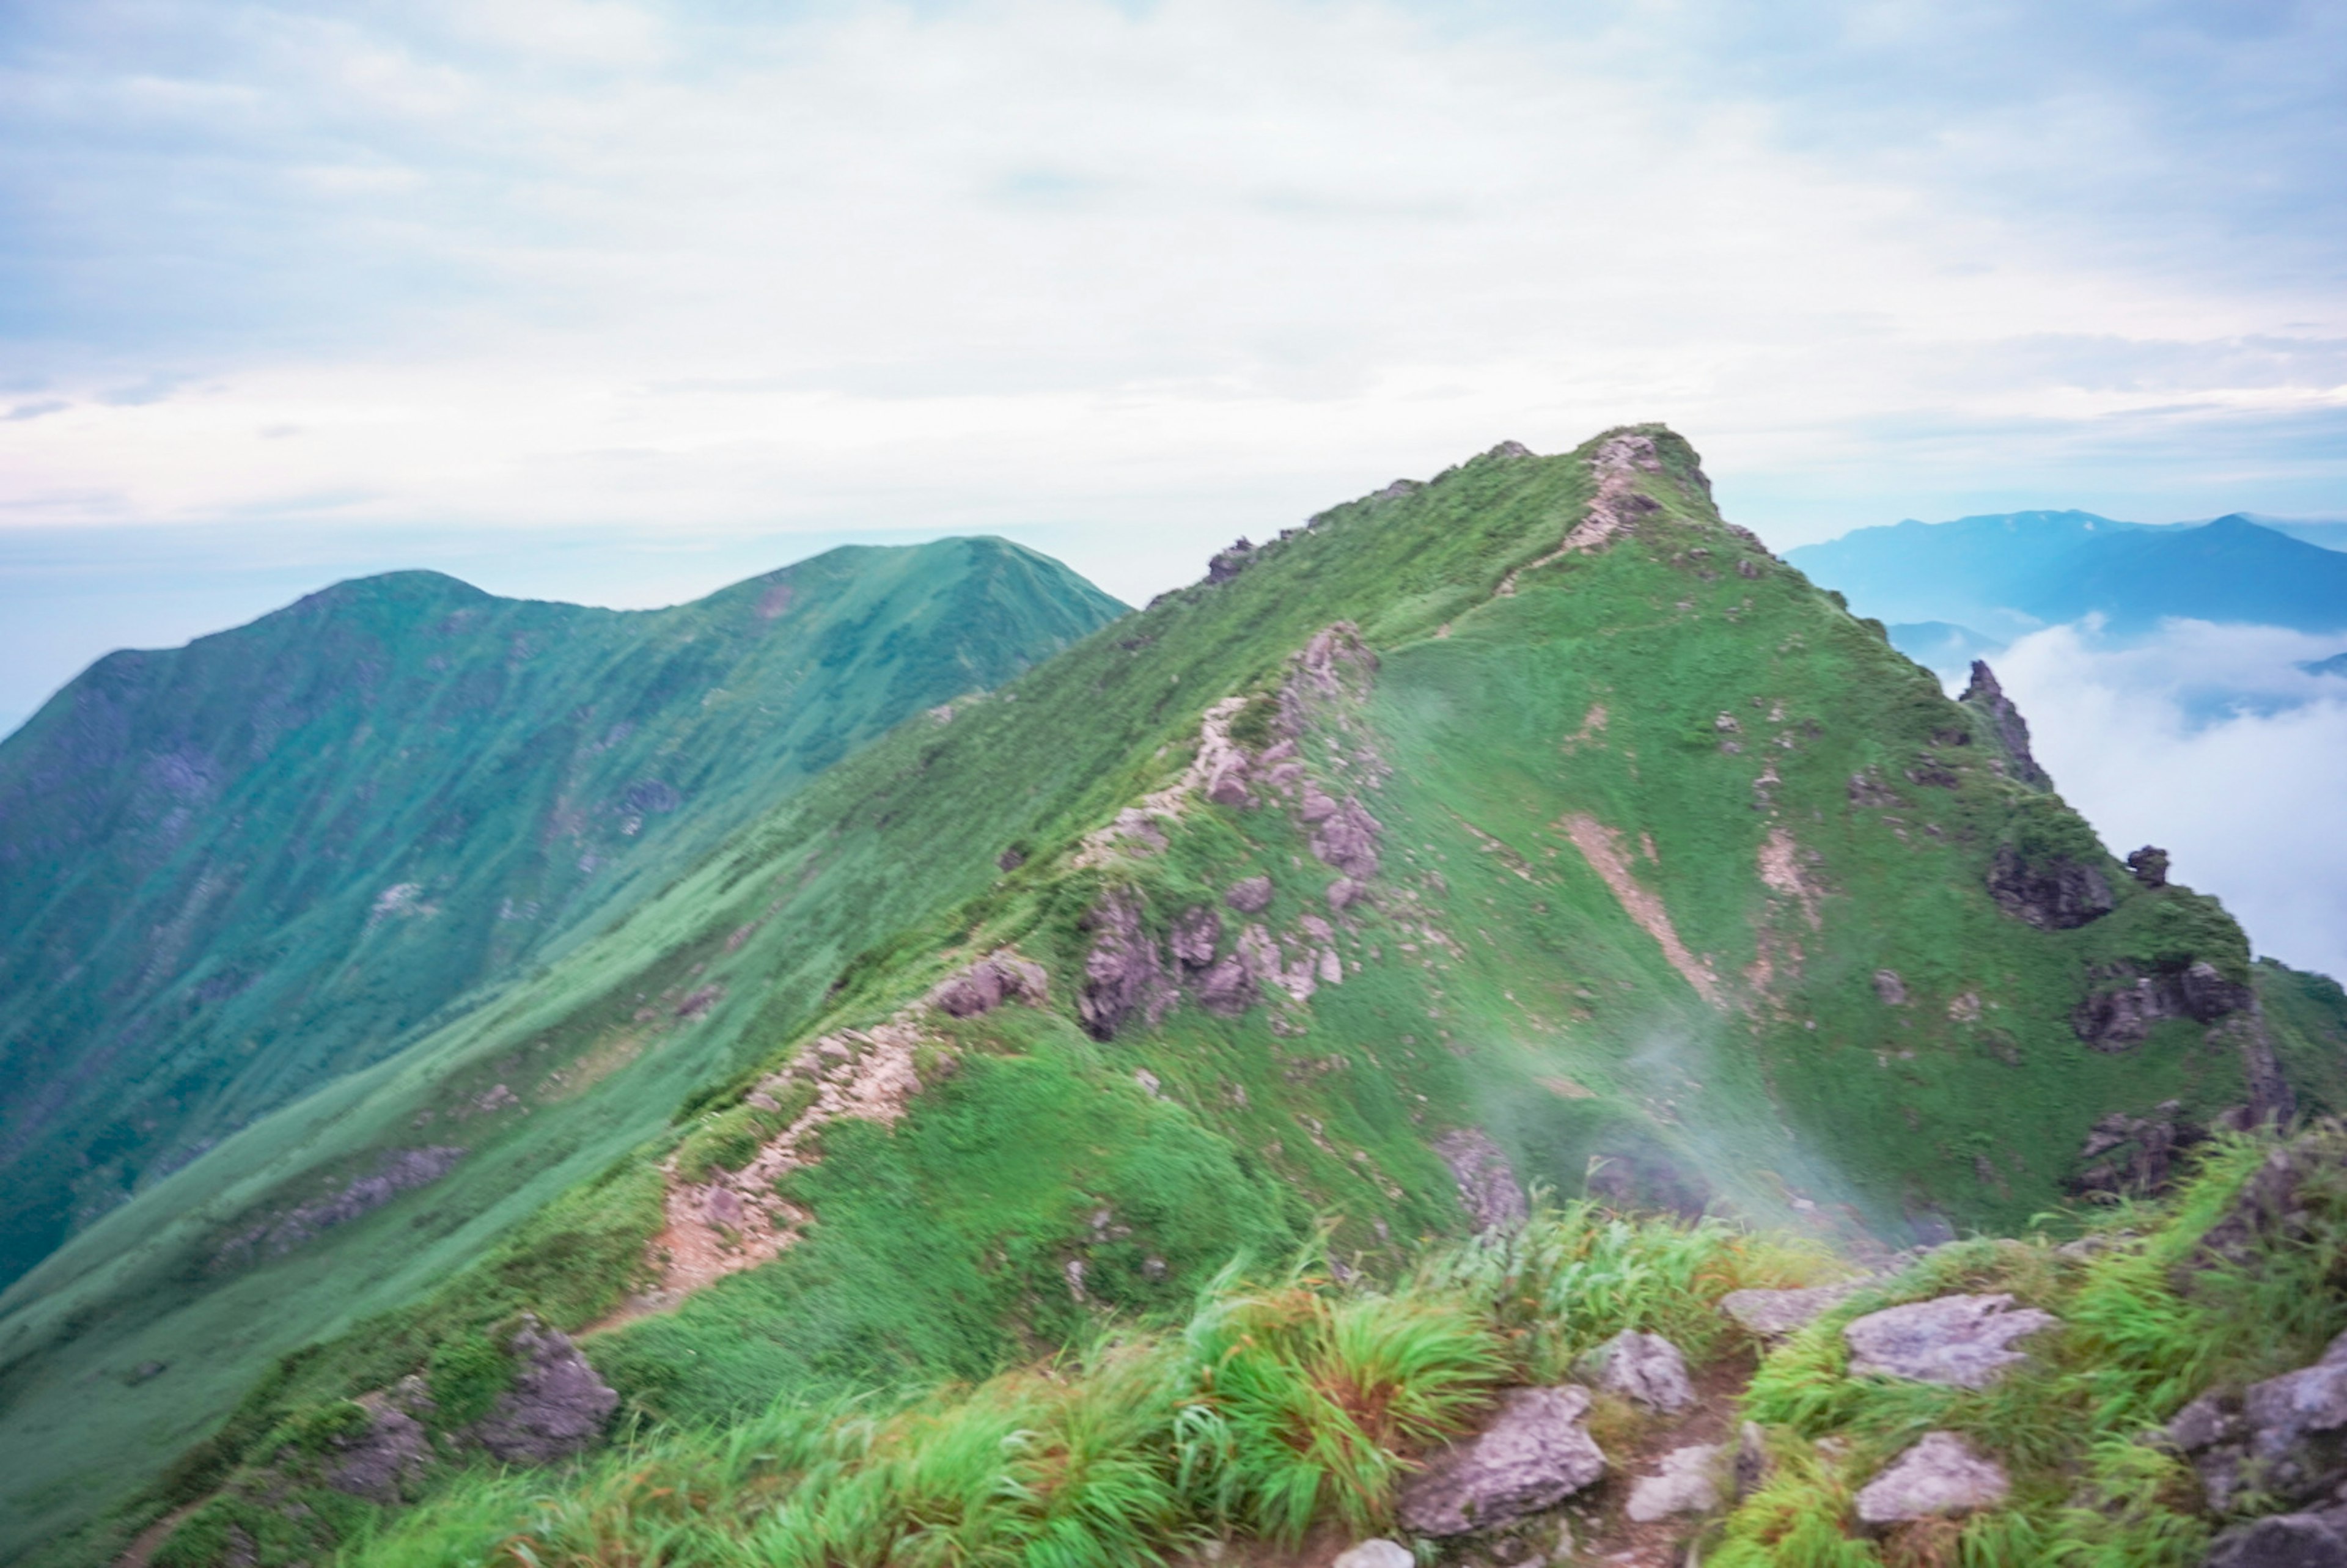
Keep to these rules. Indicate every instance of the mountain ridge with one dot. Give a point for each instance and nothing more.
(239, 867)
(1604, 852)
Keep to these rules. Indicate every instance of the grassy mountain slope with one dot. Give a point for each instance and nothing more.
(2002, 575)
(1543, 819)
(235, 870)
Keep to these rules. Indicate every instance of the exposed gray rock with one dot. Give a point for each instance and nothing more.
(1940, 1476)
(988, 983)
(1228, 988)
(2119, 1014)
(396, 1170)
(1228, 563)
(2266, 1208)
(1688, 1482)
(1645, 1368)
(2148, 866)
(1349, 841)
(1196, 933)
(2284, 1541)
(1487, 1188)
(1534, 1454)
(2011, 729)
(2136, 1156)
(1890, 987)
(1773, 1314)
(556, 1407)
(1752, 1462)
(384, 1462)
(1960, 1340)
(1123, 974)
(1344, 893)
(2053, 893)
(1250, 897)
(2286, 1437)
(1376, 1554)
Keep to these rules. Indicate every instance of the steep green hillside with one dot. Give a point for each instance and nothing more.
(2004, 575)
(233, 871)
(1530, 824)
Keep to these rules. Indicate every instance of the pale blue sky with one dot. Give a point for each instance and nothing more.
(616, 302)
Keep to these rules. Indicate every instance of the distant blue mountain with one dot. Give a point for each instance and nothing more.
(2001, 575)
(2335, 665)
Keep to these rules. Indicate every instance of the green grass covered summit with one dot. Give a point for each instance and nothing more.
(1529, 827)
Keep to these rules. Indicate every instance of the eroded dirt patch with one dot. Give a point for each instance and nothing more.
(1602, 847)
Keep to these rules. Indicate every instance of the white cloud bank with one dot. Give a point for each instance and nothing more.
(2209, 742)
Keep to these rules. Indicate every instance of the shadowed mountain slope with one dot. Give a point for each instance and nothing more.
(1529, 826)
(233, 871)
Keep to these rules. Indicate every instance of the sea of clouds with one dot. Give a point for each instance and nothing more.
(2213, 742)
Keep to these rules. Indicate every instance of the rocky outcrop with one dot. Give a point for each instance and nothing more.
(2120, 1013)
(1229, 562)
(1959, 1340)
(2285, 1438)
(2270, 1207)
(1534, 1455)
(556, 1407)
(2004, 721)
(1250, 896)
(396, 1170)
(1124, 975)
(988, 983)
(1645, 1369)
(385, 1460)
(1487, 1188)
(2148, 866)
(2136, 1156)
(1343, 835)
(2053, 892)
(1941, 1476)
(2284, 1541)
(1197, 932)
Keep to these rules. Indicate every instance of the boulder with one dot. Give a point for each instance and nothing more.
(382, 1461)
(1534, 1454)
(1644, 1367)
(2053, 893)
(1376, 1554)
(2286, 1437)
(1196, 933)
(1775, 1314)
(2284, 1541)
(1124, 974)
(1688, 1482)
(1249, 896)
(1959, 1340)
(1487, 1188)
(556, 1407)
(988, 983)
(1940, 1476)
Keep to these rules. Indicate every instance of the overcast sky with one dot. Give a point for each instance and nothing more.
(616, 302)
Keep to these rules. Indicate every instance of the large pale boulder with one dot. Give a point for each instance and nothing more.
(2286, 1437)
(1534, 1455)
(1773, 1314)
(1940, 1476)
(1688, 1482)
(1960, 1341)
(556, 1407)
(1376, 1554)
(1644, 1367)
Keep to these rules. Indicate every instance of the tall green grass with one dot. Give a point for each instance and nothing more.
(1280, 1407)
